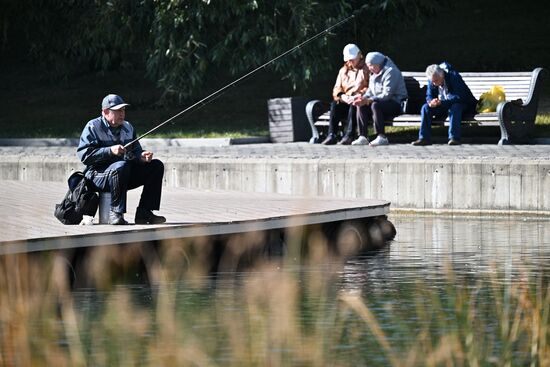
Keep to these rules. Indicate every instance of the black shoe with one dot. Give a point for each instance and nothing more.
(421, 142)
(346, 140)
(330, 140)
(116, 218)
(454, 142)
(145, 216)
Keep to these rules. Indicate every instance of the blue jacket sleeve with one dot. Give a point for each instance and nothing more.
(90, 150)
(456, 86)
(431, 91)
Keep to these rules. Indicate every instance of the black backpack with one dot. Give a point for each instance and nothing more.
(80, 200)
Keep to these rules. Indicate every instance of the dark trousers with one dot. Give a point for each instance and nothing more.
(455, 111)
(122, 176)
(339, 111)
(377, 111)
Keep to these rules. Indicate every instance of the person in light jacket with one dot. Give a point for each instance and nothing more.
(383, 99)
(352, 79)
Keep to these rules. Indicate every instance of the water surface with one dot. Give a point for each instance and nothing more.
(296, 310)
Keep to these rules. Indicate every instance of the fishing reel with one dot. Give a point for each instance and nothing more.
(129, 155)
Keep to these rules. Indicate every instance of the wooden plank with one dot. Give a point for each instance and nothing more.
(498, 80)
(28, 223)
(469, 74)
(281, 129)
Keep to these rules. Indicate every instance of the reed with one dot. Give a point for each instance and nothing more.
(257, 310)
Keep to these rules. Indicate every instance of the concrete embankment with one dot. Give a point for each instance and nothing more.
(469, 178)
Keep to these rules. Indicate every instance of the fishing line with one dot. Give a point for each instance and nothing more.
(233, 83)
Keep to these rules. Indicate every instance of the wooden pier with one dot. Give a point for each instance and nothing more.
(28, 225)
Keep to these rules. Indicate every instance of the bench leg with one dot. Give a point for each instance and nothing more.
(517, 118)
(517, 122)
(312, 113)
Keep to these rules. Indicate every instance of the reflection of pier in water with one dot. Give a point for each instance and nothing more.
(427, 246)
(475, 240)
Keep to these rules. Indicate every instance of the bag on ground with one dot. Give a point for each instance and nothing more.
(80, 200)
(489, 100)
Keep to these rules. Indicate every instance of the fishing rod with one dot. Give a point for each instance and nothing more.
(233, 83)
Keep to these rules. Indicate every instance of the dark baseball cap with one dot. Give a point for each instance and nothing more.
(113, 102)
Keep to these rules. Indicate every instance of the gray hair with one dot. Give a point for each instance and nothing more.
(434, 70)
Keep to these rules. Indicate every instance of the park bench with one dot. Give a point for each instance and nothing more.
(516, 116)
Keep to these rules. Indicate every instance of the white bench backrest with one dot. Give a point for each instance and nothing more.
(516, 84)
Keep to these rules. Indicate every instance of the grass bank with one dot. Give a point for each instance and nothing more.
(40, 108)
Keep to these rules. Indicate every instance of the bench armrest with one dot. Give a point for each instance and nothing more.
(314, 109)
(517, 118)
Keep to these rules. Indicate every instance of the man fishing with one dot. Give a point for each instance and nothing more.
(116, 165)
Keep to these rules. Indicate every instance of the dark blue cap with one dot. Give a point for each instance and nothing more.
(113, 102)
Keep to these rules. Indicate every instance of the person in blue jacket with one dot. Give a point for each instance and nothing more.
(446, 95)
(116, 169)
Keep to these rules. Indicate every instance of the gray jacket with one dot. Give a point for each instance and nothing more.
(387, 84)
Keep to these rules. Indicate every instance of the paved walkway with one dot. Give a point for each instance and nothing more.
(308, 151)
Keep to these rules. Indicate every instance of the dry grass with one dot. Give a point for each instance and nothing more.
(273, 316)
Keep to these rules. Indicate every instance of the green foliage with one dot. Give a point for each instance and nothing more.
(196, 41)
(74, 36)
(192, 47)
(379, 20)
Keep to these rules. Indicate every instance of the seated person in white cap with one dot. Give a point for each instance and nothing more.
(116, 169)
(383, 99)
(352, 80)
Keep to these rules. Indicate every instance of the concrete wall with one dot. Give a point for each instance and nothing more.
(435, 184)
(439, 184)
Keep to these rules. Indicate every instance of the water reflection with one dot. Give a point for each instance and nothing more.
(436, 259)
(469, 245)
(442, 283)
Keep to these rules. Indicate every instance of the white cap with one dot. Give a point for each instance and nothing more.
(351, 51)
